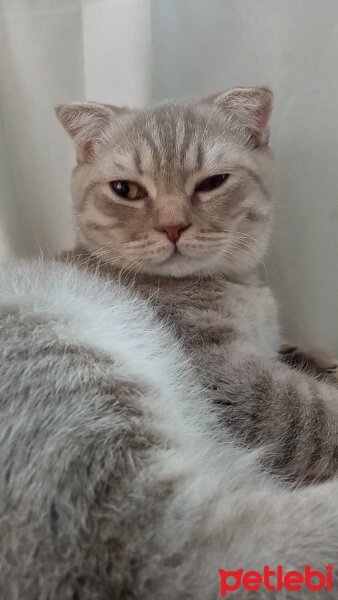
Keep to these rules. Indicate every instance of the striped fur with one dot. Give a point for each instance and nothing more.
(168, 150)
(225, 317)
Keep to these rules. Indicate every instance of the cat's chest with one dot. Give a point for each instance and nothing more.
(218, 313)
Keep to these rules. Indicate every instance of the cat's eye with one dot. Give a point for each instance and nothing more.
(129, 190)
(211, 183)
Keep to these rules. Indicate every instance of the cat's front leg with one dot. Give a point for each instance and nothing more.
(313, 361)
(291, 415)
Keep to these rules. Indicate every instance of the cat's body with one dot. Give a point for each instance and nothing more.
(116, 480)
(178, 197)
(230, 331)
(119, 477)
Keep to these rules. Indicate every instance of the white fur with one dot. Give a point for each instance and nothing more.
(232, 514)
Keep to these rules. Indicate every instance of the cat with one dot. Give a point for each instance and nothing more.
(116, 479)
(316, 361)
(176, 199)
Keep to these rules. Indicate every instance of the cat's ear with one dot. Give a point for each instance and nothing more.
(251, 107)
(86, 124)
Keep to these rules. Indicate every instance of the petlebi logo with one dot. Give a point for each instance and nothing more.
(276, 580)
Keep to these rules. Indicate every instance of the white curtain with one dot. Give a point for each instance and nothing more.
(136, 51)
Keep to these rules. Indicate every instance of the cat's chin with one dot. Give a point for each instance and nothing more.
(179, 265)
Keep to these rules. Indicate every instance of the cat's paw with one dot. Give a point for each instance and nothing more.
(312, 360)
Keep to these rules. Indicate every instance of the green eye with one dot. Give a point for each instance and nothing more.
(211, 183)
(129, 190)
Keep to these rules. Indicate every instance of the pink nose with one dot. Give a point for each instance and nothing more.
(173, 231)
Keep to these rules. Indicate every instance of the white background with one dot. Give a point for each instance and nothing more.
(136, 51)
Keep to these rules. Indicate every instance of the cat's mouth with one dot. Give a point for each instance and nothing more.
(173, 257)
(177, 255)
(174, 261)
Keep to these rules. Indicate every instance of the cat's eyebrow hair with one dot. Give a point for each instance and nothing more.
(185, 144)
(120, 166)
(153, 148)
(138, 161)
(257, 179)
(199, 156)
(189, 132)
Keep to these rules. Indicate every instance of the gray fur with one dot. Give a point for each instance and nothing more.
(115, 479)
(119, 478)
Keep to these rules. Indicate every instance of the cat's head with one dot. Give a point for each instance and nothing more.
(175, 189)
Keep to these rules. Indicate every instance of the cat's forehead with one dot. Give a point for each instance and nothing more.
(177, 124)
(175, 137)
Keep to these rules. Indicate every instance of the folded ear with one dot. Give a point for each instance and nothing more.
(86, 123)
(251, 107)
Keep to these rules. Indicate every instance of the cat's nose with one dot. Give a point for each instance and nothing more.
(173, 231)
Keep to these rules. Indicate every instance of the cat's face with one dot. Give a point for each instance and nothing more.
(177, 189)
